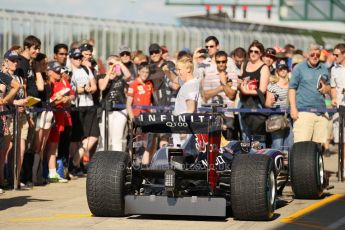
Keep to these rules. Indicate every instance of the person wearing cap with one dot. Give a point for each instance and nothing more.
(85, 130)
(269, 57)
(124, 53)
(338, 88)
(62, 95)
(88, 61)
(162, 77)
(308, 85)
(165, 53)
(277, 96)
(19, 101)
(7, 82)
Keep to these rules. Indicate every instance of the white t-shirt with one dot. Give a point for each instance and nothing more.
(81, 78)
(188, 91)
(338, 82)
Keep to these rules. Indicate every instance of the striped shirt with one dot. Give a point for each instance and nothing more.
(281, 92)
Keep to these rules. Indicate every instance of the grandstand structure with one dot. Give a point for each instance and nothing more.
(110, 34)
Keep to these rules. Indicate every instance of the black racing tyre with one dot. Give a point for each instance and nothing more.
(105, 183)
(253, 187)
(306, 170)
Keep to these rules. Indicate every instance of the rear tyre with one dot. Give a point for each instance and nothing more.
(306, 170)
(253, 187)
(105, 183)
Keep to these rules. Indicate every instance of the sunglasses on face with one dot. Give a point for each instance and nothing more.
(209, 46)
(315, 55)
(110, 63)
(154, 52)
(221, 61)
(254, 51)
(336, 55)
(125, 54)
(77, 58)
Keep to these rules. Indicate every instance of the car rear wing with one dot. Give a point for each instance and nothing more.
(184, 123)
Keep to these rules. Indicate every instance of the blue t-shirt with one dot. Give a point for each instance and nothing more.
(304, 80)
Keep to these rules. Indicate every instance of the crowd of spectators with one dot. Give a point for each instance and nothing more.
(67, 104)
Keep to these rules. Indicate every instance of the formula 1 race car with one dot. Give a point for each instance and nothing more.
(201, 177)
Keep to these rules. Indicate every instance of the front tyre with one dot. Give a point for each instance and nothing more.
(105, 183)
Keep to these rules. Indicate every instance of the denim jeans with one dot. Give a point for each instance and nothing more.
(283, 140)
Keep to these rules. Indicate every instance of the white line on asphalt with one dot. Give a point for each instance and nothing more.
(337, 224)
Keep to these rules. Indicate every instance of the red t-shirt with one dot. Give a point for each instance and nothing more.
(141, 94)
(62, 118)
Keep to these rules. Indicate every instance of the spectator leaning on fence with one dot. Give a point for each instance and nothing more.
(60, 56)
(188, 95)
(113, 87)
(277, 96)
(85, 130)
(140, 93)
(254, 81)
(219, 88)
(62, 95)
(9, 91)
(338, 85)
(307, 88)
(44, 119)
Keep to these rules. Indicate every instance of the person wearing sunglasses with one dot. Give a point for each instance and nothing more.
(10, 87)
(124, 53)
(162, 77)
(208, 66)
(269, 58)
(61, 96)
(254, 81)
(85, 130)
(309, 83)
(220, 86)
(338, 87)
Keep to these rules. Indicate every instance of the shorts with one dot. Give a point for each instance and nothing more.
(84, 124)
(54, 135)
(44, 120)
(23, 126)
(311, 127)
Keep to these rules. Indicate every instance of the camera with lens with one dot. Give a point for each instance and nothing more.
(204, 51)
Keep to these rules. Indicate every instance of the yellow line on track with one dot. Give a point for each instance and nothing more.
(292, 217)
(55, 217)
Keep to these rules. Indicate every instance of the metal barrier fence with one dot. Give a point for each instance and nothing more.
(110, 34)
